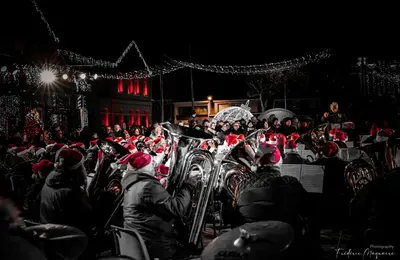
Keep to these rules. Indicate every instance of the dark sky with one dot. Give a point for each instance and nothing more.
(217, 35)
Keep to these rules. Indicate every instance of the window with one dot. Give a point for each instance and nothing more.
(121, 116)
(120, 85)
(145, 88)
(138, 117)
(130, 86)
(147, 118)
(137, 87)
(105, 118)
(131, 117)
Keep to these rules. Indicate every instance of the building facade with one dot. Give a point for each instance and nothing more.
(209, 108)
(118, 101)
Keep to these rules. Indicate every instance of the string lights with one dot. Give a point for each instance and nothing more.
(84, 60)
(50, 31)
(258, 69)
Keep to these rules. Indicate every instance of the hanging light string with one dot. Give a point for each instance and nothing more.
(84, 60)
(141, 57)
(140, 74)
(258, 69)
(50, 31)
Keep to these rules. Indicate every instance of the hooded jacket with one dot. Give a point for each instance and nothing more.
(152, 211)
(64, 202)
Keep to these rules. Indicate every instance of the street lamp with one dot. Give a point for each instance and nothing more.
(209, 105)
(210, 98)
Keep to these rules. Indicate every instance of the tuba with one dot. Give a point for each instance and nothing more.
(237, 164)
(187, 157)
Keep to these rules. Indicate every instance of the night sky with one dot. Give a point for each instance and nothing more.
(216, 35)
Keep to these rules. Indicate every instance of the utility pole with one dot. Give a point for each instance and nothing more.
(162, 96)
(191, 78)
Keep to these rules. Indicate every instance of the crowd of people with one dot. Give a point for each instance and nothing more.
(53, 170)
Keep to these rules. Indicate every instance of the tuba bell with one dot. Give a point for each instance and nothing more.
(186, 157)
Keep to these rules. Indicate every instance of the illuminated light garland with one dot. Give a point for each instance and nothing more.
(258, 69)
(84, 60)
(385, 71)
(141, 74)
(51, 32)
(9, 108)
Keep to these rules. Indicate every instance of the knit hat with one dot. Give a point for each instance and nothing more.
(138, 162)
(11, 148)
(43, 168)
(330, 149)
(290, 147)
(21, 151)
(39, 151)
(81, 145)
(268, 155)
(69, 159)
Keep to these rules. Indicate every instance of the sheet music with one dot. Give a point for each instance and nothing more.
(349, 144)
(301, 147)
(363, 138)
(293, 170)
(344, 154)
(312, 178)
(305, 154)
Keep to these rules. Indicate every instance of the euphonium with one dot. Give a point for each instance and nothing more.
(185, 158)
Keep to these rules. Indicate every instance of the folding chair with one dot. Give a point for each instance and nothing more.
(129, 243)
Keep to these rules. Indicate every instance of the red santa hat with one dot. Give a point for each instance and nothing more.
(162, 169)
(330, 149)
(374, 130)
(138, 162)
(109, 139)
(233, 139)
(81, 145)
(332, 133)
(30, 148)
(120, 140)
(70, 159)
(11, 148)
(280, 139)
(268, 155)
(273, 139)
(39, 151)
(21, 151)
(291, 147)
(43, 168)
(57, 148)
(340, 136)
(130, 147)
(204, 145)
(137, 138)
(93, 143)
(383, 135)
(147, 140)
(294, 136)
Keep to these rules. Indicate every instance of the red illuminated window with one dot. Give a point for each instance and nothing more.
(130, 86)
(131, 117)
(145, 88)
(121, 116)
(120, 84)
(105, 119)
(137, 87)
(138, 117)
(147, 118)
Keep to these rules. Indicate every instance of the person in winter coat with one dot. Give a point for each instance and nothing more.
(266, 195)
(32, 198)
(63, 198)
(150, 209)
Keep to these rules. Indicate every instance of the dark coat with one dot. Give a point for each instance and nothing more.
(64, 202)
(150, 210)
(268, 196)
(32, 200)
